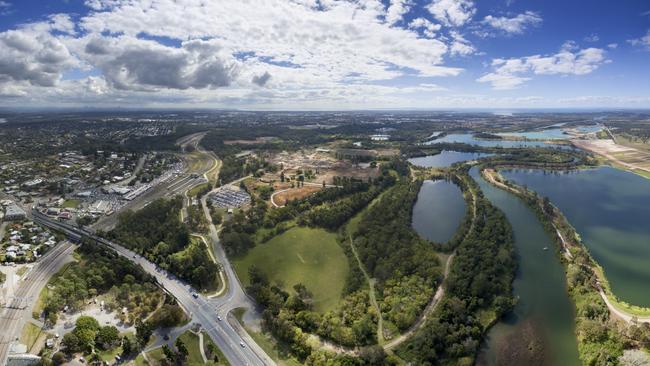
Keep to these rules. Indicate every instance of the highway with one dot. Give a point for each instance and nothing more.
(235, 344)
(19, 309)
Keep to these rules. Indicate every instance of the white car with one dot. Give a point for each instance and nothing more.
(242, 344)
(219, 317)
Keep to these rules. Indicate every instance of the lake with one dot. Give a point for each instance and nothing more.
(446, 158)
(610, 209)
(547, 134)
(543, 319)
(438, 211)
(469, 139)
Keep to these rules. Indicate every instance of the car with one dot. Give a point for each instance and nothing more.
(195, 295)
(242, 344)
(219, 317)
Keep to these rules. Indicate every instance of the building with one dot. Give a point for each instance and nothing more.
(379, 137)
(13, 213)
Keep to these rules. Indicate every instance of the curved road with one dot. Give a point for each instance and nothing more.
(235, 344)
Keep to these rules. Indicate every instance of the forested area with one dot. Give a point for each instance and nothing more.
(334, 205)
(332, 216)
(157, 233)
(102, 272)
(479, 287)
(233, 168)
(405, 265)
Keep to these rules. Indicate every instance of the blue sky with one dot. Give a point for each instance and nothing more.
(325, 54)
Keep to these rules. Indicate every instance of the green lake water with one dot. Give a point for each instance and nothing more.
(438, 211)
(610, 209)
(543, 319)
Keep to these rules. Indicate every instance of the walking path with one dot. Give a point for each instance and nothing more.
(205, 359)
(373, 298)
(440, 292)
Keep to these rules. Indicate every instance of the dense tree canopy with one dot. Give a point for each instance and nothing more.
(157, 233)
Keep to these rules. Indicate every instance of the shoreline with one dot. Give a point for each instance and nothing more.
(615, 305)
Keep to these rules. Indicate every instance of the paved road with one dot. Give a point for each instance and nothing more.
(20, 308)
(170, 188)
(228, 337)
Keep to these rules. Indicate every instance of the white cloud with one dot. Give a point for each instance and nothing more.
(338, 39)
(428, 28)
(30, 55)
(133, 64)
(642, 41)
(396, 10)
(227, 52)
(592, 38)
(512, 73)
(452, 12)
(514, 25)
(460, 46)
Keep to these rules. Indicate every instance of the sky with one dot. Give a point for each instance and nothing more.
(324, 54)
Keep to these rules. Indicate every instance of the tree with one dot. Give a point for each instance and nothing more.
(58, 359)
(87, 322)
(143, 332)
(127, 346)
(181, 349)
(107, 337)
(169, 353)
(86, 337)
(70, 343)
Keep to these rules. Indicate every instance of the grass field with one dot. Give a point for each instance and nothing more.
(29, 335)
(71, 203)
(301, 255)
(191, 341)
(194, 191)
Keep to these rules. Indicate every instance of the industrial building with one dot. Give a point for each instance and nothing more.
(13, 213)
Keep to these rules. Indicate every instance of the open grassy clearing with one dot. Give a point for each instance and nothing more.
(155, 356)
(30, 335)
(191, 341)
(301, 255)
(71, 203)
(195, 191)
(630, 141)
